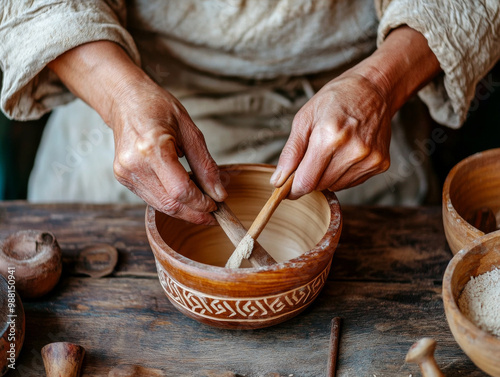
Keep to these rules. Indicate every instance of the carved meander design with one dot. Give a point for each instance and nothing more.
(241, 309)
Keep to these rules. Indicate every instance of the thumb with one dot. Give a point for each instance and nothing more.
(293, 152)
(202, 164)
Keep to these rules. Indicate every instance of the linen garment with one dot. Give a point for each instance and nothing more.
(242, 69)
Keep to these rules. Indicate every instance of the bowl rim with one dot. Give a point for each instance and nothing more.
(326, 245)
(447, 203)
(448, 297)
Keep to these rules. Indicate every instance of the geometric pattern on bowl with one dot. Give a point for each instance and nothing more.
(252, 309)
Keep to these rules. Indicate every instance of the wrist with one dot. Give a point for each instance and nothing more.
(402, 65)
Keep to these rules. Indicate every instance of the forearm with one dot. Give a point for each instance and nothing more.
(98, 73)
(402, 65)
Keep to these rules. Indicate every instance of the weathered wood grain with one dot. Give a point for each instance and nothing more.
(385, 283)
(130, 321)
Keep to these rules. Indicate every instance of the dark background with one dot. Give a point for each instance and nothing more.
(19, 141)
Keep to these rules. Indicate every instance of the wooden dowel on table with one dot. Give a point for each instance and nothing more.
(334, 347)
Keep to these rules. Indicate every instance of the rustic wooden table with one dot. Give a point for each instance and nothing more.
(385, 283)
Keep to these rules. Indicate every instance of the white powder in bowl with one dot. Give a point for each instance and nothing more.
(480, 301)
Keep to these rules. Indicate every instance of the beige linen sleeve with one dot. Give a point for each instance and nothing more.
(465, 37)
(33, 33)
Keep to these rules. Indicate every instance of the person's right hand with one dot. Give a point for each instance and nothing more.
(151, 130)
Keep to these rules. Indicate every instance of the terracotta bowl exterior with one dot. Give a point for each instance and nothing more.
(472, 184)
(198, 285)
(481, 256)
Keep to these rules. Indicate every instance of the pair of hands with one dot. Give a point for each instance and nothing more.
(339, 138)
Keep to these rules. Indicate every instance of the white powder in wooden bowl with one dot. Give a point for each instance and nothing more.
(480, 301)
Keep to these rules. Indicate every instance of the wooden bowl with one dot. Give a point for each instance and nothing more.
(302, 236)
(474, 183)
(482, 255)
(36, 257)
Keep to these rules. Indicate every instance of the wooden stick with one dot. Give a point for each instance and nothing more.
(244, 248)
(267, 211)
(235, 231)
(334, 347)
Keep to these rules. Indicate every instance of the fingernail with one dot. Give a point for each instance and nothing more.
(220, 191)
(276, 175)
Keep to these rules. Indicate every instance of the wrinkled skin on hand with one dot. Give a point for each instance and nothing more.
(152, 130)
(339, 138)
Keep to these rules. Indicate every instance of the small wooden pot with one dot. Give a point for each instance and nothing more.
(36, 257)
(12, 325)
(481, 256)
(302, 236)
(473, 184)
(63, 359)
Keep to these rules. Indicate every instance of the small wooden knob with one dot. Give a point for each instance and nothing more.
(36, 257)
(422, 353)
(63, 359)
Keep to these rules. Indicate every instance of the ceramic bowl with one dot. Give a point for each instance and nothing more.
(482, 255)
(473, 184)
(302, 236)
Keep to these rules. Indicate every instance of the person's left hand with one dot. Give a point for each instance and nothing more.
(339, 138)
